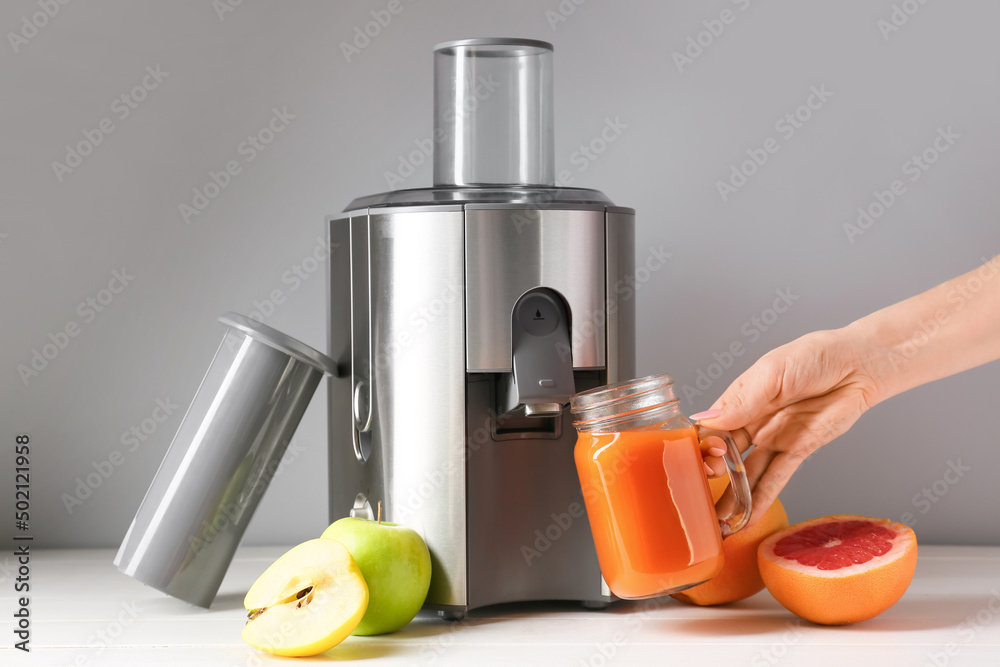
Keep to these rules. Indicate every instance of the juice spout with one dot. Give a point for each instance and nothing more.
(541, 383)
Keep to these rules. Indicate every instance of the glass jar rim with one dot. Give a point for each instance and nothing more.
(605, 402)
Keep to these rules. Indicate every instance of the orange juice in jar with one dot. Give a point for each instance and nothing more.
(647, 497)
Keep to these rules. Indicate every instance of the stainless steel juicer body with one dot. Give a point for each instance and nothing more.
(468, 314)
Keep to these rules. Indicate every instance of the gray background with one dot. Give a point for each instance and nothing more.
(353, 121)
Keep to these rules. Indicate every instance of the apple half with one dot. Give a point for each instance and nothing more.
(307, 601)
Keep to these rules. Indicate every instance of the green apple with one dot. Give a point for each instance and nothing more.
(396, 566)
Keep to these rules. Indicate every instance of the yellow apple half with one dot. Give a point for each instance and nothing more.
(307, 601)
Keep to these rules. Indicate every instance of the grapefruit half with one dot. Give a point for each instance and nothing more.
(839, 569)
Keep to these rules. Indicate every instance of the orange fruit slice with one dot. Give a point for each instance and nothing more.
(740, 576)
(839, 569)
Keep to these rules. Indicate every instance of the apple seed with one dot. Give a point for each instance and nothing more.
(254, 613)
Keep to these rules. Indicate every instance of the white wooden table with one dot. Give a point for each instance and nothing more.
(84, 612)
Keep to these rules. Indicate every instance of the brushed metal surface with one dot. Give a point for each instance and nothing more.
(361, 347)
(510, 250)
(439, 461)
(529, 538)
(621, 297)
(416, 467)
(345, 470)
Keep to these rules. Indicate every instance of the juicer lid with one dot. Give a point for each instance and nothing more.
(525, 195)
(510, 45)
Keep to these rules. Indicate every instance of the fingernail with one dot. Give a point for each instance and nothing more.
(716, 451)
(707, 414)
(708, 470)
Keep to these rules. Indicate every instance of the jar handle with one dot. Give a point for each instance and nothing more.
(736, 519)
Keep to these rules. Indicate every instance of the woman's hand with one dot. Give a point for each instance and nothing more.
(802, 395)
(795, 399)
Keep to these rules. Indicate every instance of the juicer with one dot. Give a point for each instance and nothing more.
(463, 317)
(467, 315)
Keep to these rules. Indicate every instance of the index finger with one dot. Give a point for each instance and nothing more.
(754, 394)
